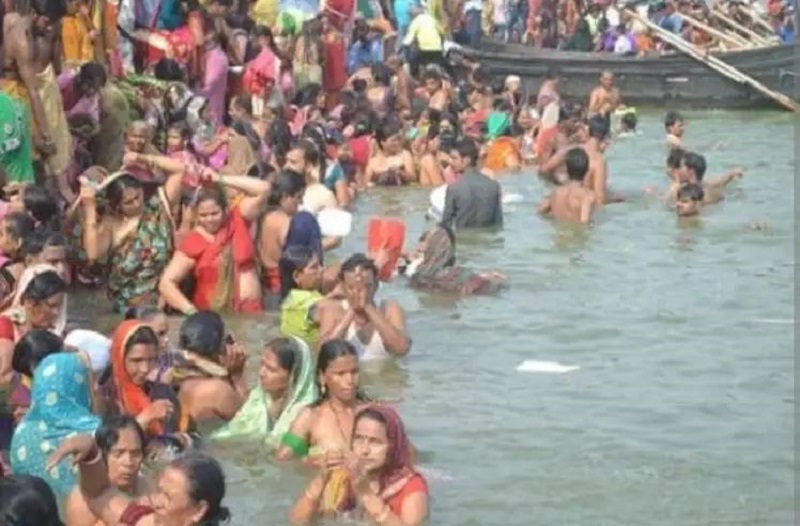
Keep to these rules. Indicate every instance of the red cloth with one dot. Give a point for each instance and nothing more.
(416, 484)
(259, 72)
(236, 233)
(359, 148)
(334, 69)
(7, 329)
(134, 513)
(339, 12)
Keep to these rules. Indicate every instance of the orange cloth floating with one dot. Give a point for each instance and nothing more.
(390, 235)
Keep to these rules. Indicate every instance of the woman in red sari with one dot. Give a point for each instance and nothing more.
(375, 480)
(219, 252)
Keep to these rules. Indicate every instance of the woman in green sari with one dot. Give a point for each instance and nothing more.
(286, 386)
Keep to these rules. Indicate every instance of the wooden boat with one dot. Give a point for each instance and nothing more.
(674, 81)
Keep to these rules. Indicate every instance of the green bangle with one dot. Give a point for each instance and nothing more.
(298, 446)
(192, 310)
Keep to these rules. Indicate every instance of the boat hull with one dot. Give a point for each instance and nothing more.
(674, 81)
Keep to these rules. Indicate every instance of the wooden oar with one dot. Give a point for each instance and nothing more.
(715, 63)
(730, 39)
(733, 24)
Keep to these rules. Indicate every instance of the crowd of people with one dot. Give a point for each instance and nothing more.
(183, 161)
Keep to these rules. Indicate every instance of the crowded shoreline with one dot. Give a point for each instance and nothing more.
(180, 194)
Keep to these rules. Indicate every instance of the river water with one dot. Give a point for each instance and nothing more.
(681, 412)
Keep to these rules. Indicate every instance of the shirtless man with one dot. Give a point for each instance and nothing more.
(570, 126)
(376, 331)
(287, 193)
(693, 170)
(674, 126)
(19, 68)
(439, 99)
(572, 202)
(605, 98)
(594, 146)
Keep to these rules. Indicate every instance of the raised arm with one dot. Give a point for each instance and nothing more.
(256, 191)
(177, 270)
(96, 232)
(391, 325)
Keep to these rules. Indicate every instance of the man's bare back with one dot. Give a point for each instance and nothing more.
(569, 203)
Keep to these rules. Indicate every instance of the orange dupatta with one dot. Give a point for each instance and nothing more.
(131, 398)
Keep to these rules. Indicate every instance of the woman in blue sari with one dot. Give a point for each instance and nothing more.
(61, 407)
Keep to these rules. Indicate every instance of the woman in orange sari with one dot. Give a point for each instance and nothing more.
(503, 152)
(134, 357)
(219, 252)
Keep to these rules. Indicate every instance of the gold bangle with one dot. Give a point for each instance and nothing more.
(90, 224)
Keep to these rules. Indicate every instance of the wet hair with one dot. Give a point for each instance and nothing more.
(313, 147)
(671, 119)
(447, 140)
(481, 75)
(381, 74)
(467, 148)
(431, 74)
(25, 499)
(598, 127)
(107, 435)
(287, 183)
(552, 73)
(35, 243)
(43, 286)
(328, 352)
(692, 192)
(142, 336)
(279, 135)
(577, 164)
(206, 483)
(629, 120)
(388, 127)
(54, 10)
(358, 261)
(307, 96)
(168, 70)
(675, 158)
(285, 350)
(359, 85)
(34, 347)
(202, 333)
(696, 163)
(93, 74)
(115, 189)
(19, 225)
(41, 206)
(143, 312)
(498, 86)
(211, 193)
(293, 258)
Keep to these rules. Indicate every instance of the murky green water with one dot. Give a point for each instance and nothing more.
(681, 413)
